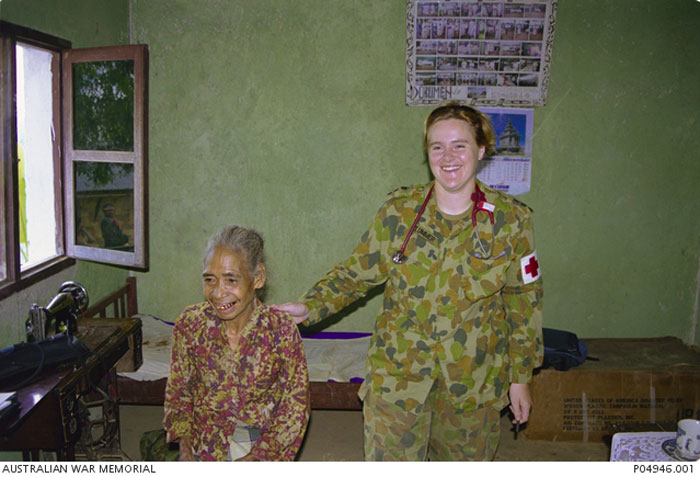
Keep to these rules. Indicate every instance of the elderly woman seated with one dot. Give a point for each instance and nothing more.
(238, 387)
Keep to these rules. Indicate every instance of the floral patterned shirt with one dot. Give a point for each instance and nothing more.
(264, 383)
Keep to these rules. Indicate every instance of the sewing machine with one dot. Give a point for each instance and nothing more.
(61, 313)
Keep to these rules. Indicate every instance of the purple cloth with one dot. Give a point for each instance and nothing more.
(335, 335)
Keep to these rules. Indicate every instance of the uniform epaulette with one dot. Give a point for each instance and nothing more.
(523, 204)
(507, 197)
(402, 188)
(406, 191)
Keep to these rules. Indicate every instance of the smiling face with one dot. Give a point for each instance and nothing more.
(453, 154)
(228, 284)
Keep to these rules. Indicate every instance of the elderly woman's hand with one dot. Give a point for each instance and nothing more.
(296, 310)
(248, 458)
(186, 453)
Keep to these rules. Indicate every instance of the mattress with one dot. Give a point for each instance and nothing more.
(331, 356)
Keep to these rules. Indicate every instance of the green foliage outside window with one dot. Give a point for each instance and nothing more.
(103, 106)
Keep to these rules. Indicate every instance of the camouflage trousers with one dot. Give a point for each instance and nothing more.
(434, 431)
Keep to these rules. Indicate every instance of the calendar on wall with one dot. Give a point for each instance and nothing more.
(508, 169)
(480, 52)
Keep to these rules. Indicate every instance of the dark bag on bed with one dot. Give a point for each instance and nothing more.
(562, 349)
(22, 363)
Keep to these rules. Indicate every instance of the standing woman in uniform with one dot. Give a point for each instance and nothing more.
(460, 330)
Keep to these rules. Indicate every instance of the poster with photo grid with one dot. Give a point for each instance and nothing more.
(480, 52)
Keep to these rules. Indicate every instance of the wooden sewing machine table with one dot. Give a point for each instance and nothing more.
(51, 416)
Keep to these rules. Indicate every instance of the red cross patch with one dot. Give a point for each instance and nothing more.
(530, 268)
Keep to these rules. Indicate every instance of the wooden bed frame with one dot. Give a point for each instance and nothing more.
(123, 303)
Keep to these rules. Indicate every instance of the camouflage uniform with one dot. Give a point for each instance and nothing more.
(456, 310)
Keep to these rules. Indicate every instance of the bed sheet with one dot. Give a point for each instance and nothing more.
(331, 356)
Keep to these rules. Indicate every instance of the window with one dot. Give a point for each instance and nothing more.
(104, 137)
(74, 156)
(39, 229)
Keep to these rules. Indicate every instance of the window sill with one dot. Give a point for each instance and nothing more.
(37, 274)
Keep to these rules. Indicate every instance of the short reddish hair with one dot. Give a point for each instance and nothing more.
(480, 123)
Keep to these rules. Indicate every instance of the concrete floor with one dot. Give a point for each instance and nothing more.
(335, 436)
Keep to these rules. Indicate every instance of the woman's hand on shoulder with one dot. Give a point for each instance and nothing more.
(298, 311)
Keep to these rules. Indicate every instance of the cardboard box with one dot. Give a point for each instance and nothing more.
(637, 385)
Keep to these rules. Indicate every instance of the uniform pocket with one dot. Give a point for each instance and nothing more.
(484, 277)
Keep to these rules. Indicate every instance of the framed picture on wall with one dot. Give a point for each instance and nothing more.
(487, 53)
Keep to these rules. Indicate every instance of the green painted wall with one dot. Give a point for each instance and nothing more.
(86, 23)
(617, 169)
(284, 116)
(290, 117)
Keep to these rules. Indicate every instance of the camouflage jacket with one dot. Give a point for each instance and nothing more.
(447, 310)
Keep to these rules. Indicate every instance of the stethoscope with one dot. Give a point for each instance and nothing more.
(480, 205)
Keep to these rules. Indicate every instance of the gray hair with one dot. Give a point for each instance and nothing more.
(238, 239)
